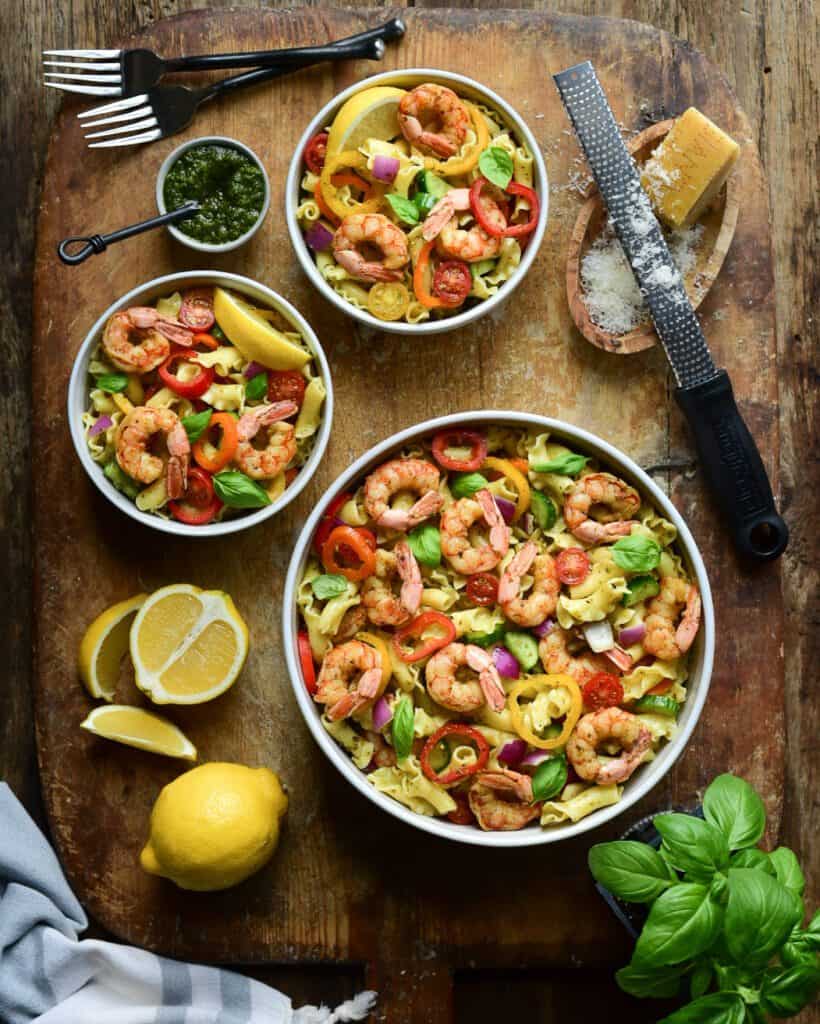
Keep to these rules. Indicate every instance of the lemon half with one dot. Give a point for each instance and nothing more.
(142, 729)
(255, 338)
(188, 645)
(370, 114)
(104, 645)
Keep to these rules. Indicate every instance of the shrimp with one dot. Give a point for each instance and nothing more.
(543, 597)
(464, 694)
(613, 500)
(383, 607)
(137, 340)
(414, 475)
(353, 621)
(371, 247)
(472, 244)
(432, 117)
(266, 462)
(662, 638)
(456, 521)
(553, 649)
(135, 458)
(443, 211)
(502, 801)
(608, 724)
(350, 676)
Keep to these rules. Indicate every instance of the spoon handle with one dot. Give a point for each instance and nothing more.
(69, 254)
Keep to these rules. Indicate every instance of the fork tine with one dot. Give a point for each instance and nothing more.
(148, 122)
(129, 115)
(91, 54)
(133, 140)
(115, 108)
(95, 65)
(86, 90)
(78, 77)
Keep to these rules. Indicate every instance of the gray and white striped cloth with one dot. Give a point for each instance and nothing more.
(49, 975)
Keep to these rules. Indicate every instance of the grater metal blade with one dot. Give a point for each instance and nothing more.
(635, 224)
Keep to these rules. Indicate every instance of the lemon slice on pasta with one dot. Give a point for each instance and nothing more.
(255, 338)
(370, 114)
(142, 729)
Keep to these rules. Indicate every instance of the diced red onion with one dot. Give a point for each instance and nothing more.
(318, 237)
(385, 168)
(599, 636)
(506, 508)
(542, 630)
(253, 370)
(103, 423)
(534, 758)
(382, 713)
(632, 635)
(505, 662)
(512, 752)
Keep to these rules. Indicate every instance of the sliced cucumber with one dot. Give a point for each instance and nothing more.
(524, 648)
(639, 589)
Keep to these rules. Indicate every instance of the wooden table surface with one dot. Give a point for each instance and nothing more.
(768, 50)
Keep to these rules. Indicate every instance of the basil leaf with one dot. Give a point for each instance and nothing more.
(637, 553)
(785, 992)
(543, 510)
(736, 809)
(759, 915)
(567, 464)
(328, 585)
(465, 485)
(236, 490)
(700, 979)
(787, 870)
(496, 165)
(718, 1008)
(495, 636)
(650, 982)
(812, 933)
(424, 203)
(402, 728)
(404, 209)
(682, 923)
(112, 382)
(425, 543)
(257, 387)
(752, 858)
(196, 424)
(631, 871)
(217, 332)
(550, 778)
(692, 845)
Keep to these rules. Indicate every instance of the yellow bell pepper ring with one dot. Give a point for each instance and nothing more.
(339, 167)
(531, 686)
(375, 641)
(462, 164)
(516, 478)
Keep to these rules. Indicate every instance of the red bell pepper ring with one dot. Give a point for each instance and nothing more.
(511, 230)
(465, 734)
(306, 661)
(351, 540)
(459, 439)
(315, 150)
(415, 629)
(199, 505)
(185, 388)
(328, 521)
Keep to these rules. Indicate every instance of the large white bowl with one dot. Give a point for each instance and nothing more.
(701, 655)
(409, 78)
(143, 295)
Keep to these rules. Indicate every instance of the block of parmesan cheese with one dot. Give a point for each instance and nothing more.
(688, 169)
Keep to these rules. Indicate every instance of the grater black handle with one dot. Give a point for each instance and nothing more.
(733, 468)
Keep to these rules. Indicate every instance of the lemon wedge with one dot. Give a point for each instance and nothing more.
(137, 728)
(370, 114)
(104, 645)
(256, 339)
(188, 645)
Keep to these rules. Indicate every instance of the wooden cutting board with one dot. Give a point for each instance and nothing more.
(349, 883)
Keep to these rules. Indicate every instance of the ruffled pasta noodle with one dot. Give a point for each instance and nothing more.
(406, 783)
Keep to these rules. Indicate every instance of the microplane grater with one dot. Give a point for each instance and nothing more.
(729, 457)
(636, 226)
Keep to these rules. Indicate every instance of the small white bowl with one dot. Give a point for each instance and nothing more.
(143, 295)
(701, 657)
(171, 159)
(410, 78)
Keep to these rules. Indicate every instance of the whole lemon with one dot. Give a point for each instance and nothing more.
(214, 826)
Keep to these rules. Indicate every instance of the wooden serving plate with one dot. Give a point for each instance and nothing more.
(719, 223)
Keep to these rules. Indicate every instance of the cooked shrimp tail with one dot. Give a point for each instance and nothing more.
(489, 680)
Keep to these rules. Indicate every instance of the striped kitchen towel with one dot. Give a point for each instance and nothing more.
(49, 975)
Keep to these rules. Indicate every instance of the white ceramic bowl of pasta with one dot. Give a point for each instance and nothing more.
(701, 655)
(145, 294)
(409, 78)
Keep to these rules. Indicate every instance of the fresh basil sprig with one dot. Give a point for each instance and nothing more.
(725, 918)
(257, 387)
(402, 728)
(236, 490)
(425, 543)
(404, 209)
(328, 585)
(196, 424)
(113, 383)
(496, 165)
(549, 778)
(465, 485)
(637, 553)
(567, 464)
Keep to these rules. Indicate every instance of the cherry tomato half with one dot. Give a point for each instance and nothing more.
(306, 661)
(572, 566)
(482, 588)
(602, 691)
(197, 309)
(452, 282)
(286, 386)
(462, 815)
(315, 150)
(199, 505)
